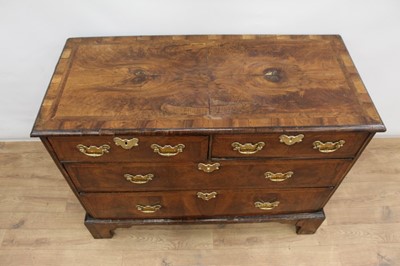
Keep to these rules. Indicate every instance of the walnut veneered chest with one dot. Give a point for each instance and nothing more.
(183, 129)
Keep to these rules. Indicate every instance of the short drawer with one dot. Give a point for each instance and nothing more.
(301, 144)
(130, 148)
(227, 174)
(203, 203)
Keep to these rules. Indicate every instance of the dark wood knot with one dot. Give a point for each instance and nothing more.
(273, 74)
(140, 76)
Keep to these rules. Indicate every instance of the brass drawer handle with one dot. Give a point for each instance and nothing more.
(93, 151)
(206, 196)
(327, 147)
(138, 179)
(290, 140)
(266, 206)
(167, 150)
(278, 177)
(148, 208)
(208, 168)
(248, 148)
(126, 144)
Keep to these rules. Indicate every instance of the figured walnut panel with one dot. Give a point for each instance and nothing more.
(109, 177)
(222, 145)
(66, 149)
(187, 204)
(205, 82)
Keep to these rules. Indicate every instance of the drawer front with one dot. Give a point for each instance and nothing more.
(138, 148)
(200, 204)
(311, 145)
(230, 174)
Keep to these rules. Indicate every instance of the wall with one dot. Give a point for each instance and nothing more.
(33, 33)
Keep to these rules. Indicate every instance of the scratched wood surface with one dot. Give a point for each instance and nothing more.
(248, 83)
(41, 223)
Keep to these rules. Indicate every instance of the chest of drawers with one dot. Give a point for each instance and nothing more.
(205, 129)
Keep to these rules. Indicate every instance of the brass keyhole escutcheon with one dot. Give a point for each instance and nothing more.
(290, 140)
(126, 144)
(208, 168)
(207, 195)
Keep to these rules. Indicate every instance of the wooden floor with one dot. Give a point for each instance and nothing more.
(41, 223)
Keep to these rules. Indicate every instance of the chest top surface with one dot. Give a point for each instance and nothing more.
(243, 83)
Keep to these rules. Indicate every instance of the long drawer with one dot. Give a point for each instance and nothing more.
(229, 174)
(203, 203)
(130, 149)
(294, 145)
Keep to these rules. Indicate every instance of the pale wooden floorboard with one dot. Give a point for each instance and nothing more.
(357, 215)
(41, 223)
(61, 257)
(131, 241)
(2, 233)
(319, 255)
